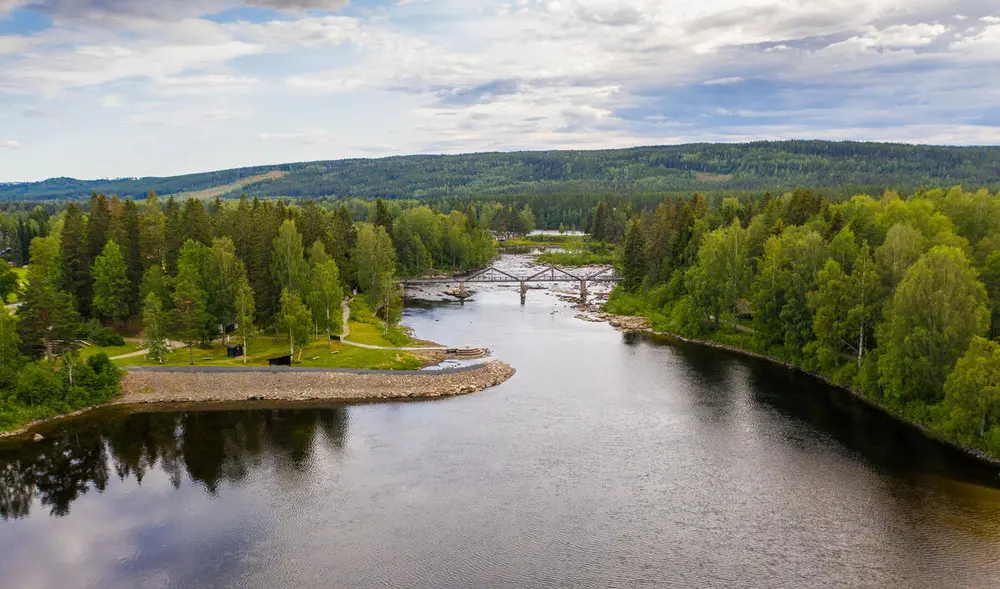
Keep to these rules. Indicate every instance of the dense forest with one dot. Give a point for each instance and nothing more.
(186, 272)
(898, 298)
(778, 166)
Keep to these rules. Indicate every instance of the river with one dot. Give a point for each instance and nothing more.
(606, 461)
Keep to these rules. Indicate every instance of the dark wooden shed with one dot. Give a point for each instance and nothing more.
(280, 361)
(234, 350)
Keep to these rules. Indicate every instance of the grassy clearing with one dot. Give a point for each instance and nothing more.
(370, 330)
(544, 240)
(111, 351)
(575, 258)
(315, 355)
(232, 187)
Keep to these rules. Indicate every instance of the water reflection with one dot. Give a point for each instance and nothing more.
(211, 448)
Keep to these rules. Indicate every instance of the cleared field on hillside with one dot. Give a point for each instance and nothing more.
(210, 193)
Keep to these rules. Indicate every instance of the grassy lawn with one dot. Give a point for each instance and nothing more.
(111, 351)
(314, 356)
(368, 329)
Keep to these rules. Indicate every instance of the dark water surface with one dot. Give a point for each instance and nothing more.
(607, 461)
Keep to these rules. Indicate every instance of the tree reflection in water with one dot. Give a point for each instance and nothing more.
(212, 448)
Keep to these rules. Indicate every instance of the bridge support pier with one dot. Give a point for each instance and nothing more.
(524, 292)
(583, 292)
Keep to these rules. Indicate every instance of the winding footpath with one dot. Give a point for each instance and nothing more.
(347, 331)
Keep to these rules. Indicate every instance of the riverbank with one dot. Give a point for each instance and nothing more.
(203, 386)
(642, 325)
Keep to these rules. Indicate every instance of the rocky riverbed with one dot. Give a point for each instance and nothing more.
(197, 387)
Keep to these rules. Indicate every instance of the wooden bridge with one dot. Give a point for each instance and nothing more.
(493, 274)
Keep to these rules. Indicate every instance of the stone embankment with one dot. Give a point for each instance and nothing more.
(181, 386)
(620, 322)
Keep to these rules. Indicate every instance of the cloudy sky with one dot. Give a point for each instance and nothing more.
(110, 88)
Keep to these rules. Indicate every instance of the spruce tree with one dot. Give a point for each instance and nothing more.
(153, 229)
(111, 284)
(196, 223)
(382, 217)
(97, 227)
(173, 237)
(75, 266)
(132, 250)
(633, 258)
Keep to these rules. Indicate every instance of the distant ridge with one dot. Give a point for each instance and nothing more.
(762, 165)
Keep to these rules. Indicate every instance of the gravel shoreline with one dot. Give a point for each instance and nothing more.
(180, 386)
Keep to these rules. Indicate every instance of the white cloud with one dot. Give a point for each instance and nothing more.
(465, 76)
(305, 137)
(722, 81)
(10, 144)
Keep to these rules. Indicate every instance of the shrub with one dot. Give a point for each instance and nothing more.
(38, 384)
(104, 337)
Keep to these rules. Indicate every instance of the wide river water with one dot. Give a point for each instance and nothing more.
(606, 461)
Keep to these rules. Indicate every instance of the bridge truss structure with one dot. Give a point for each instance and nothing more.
(495, 275)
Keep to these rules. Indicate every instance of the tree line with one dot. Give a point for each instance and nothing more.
(190, 272)
(897, 297)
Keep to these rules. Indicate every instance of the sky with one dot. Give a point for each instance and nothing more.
(121, 88)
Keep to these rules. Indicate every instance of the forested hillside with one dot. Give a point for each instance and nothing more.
(850, 166)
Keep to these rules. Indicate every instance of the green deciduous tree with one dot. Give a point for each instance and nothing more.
(786, 274)
(325, 297)
(245, 314)
(846, 309)
(972, 396)
(936, 311)
(154, 328)
(722, 274)
(376, 263)
(295, 319)
(288, 265)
